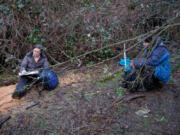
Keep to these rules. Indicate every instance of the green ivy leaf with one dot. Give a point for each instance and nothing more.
(20, 5)
(93, 39)
(36, 31)
(1, 21)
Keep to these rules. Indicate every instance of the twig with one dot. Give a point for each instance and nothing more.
(3, 121)
(79, 128)
(125, 99)
(131, 97)
(32, 105)
(121, 42)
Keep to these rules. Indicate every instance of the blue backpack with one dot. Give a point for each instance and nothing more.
(48, 78)
(162, 65)
(163, 70)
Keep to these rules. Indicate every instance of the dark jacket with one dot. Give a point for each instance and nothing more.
(159, 58)
(29, 63)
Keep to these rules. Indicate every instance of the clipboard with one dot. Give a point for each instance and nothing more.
(29, 73)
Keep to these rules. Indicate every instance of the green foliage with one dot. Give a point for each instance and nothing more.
(50, 93)
(21, 3)
(107, 2)
(122, 110)
(107, 78)
(71, 40)
(172, 80)
(146, 122)
(41, 123)
(84, 37)
(89, 6)
(104, 54)
(117, 131)
(85, 2)
(164, 38)
(54, 133)
(1, 22)
(100, 84)
(177, 56)
(5, 75)
(90, 28)
(163, 119)
(12, 62)
(17, 133)
(119, 91)
(70, 48)
(111, 77)
(106, 34)
(89, 96)
(93, 124)
(5, 10)
(177, 67)
(127, 133)
(35, 37)
(37, 11)
(89, 63)
(68, 99)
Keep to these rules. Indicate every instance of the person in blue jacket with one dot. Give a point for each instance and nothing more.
(152, 70)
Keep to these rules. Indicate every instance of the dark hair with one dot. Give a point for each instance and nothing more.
(37, 46)
(148, 39)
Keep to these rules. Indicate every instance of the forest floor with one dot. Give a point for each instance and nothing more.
(90, 101)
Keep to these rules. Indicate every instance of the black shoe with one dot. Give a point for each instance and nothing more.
(16, 95)
(124, 84)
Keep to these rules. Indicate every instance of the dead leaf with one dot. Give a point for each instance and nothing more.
(143, 112)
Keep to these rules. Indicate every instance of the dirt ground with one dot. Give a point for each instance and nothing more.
(91, 102)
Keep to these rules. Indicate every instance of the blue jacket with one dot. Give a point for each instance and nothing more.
(159, 58)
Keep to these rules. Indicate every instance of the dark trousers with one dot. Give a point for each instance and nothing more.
(141, 79)
(25, 83)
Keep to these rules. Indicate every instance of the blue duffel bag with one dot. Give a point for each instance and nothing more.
(48, 78)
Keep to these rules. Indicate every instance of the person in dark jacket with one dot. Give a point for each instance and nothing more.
(150, 71)
(34, 60)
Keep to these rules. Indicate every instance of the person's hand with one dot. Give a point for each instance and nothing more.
(23, 72)
(131, 64)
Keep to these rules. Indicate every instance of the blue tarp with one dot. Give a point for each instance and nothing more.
(122, 63)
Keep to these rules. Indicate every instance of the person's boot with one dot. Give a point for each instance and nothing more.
(124, 84)
(16, 95)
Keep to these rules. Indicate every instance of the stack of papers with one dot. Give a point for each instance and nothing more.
(29, 73)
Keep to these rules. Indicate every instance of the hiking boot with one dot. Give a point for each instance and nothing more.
(123, 84)
(16, 95)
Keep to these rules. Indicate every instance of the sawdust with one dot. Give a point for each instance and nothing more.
(71, 79)
(8, 103)
(6, 100)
